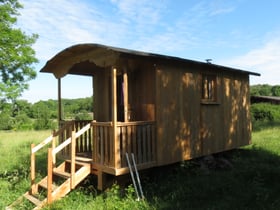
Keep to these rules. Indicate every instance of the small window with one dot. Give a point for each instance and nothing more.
(209, 88)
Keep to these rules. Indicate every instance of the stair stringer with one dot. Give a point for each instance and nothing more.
(65, 187)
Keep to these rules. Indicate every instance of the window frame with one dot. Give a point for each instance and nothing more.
(209, 88)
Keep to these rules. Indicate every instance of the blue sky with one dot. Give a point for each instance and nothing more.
(238, 33)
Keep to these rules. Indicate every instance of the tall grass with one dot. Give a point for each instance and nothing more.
(15, 162)
(245, 178)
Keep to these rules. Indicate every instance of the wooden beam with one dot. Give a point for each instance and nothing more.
(50, 176)
(125, 95)
(92, 97)
(32, 170)
(73, 157)
(114, 118)
(59, 100)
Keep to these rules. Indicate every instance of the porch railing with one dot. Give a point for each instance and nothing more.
(98, 143)
(137, 138)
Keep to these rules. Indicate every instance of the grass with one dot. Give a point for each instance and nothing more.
(245, 178)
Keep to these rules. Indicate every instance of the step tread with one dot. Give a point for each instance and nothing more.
(44, 184)
(33, 199)
(81, 160)
(60, 173)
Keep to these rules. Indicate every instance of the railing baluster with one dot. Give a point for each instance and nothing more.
(106, 145)
(50, 175)
(139, 149)
(73, 157)
(134, 142)
(111, 146)
(149, 144)
(32, 170)
(101, 145)
(95, 144)
(129, 139)
(124, 145)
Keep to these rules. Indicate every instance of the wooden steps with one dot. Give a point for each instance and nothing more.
(62, 175)
(32, 199)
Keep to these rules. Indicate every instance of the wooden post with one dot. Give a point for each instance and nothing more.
(50, 176)
(125, 95)
(53, 146)
(32, 170)
(114, 119)
(73, 157)
(59, 100)
(93, 97)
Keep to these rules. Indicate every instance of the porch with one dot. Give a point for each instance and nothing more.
(106, 144)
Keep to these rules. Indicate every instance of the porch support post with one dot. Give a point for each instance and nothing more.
(125, 95)
(59, 101)
(93, 96)
(114, 118)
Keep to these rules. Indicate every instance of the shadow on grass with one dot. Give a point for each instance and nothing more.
(251, 182)
(262, 125)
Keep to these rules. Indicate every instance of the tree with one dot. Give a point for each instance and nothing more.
(276, 90)
(16, 54)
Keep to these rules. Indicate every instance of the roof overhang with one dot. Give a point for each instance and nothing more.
(87, 55)
(80, 59)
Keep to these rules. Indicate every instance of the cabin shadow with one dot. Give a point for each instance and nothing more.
(248, 180)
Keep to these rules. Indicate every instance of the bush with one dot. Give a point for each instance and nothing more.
(265, 112)
(261, 112)
(6, 122)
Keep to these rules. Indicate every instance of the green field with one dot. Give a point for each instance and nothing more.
(245, 178)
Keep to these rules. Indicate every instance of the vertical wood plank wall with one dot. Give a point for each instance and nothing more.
(141, 99)
(188, 128)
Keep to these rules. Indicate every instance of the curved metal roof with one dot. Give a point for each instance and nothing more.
(99, 56)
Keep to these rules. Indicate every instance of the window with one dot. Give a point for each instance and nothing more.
(209, 88)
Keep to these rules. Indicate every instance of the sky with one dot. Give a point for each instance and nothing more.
(243, 34)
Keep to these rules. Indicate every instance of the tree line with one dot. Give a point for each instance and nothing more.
(22, 115)
(265, 113)
(265, 90)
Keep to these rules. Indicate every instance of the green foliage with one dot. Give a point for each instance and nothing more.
(265, 90)
(78, 109)
(264, 113)
(16, 54)
(22, 115)
(249, 183)
(43, 117)
(6, 122)
(275, 90)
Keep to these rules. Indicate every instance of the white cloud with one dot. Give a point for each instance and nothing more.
(60, 24)
(183, 29)
(264, 60)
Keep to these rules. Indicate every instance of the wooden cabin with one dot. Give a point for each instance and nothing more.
(162, 109)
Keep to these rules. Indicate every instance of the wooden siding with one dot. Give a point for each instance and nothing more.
(187, 127)
(141, 97)
(177, 111)
(102, 95)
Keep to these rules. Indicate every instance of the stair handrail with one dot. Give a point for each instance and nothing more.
(35, 149)
(38, 147)
(68, 141)
(52, 154)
